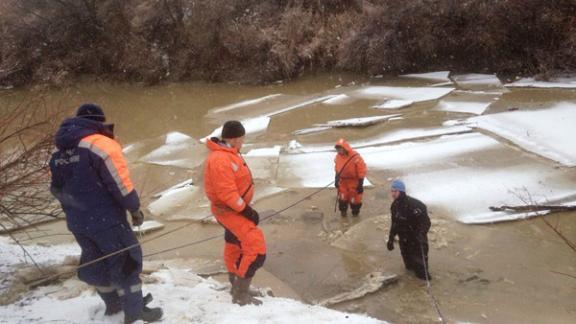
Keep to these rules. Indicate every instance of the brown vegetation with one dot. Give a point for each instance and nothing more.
(253, 41)
(26, 143)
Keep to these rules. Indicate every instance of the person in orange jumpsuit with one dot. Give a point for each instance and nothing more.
(350, 173)
(229, 187)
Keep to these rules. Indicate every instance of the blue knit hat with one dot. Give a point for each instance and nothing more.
(398, 185)
(91, 111)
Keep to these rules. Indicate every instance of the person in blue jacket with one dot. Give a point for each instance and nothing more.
(91, 181)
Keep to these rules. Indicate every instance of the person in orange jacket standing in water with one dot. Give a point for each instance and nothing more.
(229, 187)
(349, 180)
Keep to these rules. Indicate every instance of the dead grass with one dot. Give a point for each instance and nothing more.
(251, 41)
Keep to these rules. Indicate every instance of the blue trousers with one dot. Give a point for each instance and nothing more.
(116, 278)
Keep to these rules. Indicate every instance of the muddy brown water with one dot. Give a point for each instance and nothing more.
(514, 272)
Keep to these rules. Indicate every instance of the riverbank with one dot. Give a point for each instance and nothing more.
(255, 42)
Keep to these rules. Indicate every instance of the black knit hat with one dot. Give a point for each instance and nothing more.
(91, 111)
(233, 129)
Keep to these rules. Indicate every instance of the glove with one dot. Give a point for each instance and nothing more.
(390, 244)
(251, 214)
(360, 188)
(336, 181)
(137, 217)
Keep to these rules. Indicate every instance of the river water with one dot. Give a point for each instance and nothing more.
(504, 272)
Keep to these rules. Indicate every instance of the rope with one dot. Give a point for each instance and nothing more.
(429, 288)
(38, 281)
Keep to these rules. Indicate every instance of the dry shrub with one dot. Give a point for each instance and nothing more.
(254, 41)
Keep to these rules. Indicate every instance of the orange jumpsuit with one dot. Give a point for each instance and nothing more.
(349, 168)
(229, 187)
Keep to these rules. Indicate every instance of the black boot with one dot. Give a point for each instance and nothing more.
(355, 209)
(112, 302)
(343, 207)
(147, 315)
(242, 293)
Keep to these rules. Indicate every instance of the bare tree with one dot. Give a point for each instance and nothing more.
(26, 141)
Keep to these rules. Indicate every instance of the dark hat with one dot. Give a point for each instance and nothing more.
(91, 111)
(233, 129)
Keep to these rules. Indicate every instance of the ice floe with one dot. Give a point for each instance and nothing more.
(546, 132)
(394, 104)
(433, 76)
(315, 170)
(311, 130)
(468, 192)
(385, 138)
(341, 99)
(245, 103)
(415, 94)
(476, 108)
(253, 126)
(351, 122)
(562, 83)
(473, 81)
(358, 122)
(178, 150)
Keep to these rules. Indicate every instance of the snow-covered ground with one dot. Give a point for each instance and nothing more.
(184, 297)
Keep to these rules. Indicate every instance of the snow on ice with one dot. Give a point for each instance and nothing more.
(394, 104)
(546, 132)
(473, 81)
(253, 126)
(562, 83)
(476, 108)
(178, 150)
(432, 76)
(416, 94)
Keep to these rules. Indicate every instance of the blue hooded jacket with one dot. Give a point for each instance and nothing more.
(90, 177)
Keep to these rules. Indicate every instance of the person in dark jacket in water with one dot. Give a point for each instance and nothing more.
(90, 179)
(411, 223)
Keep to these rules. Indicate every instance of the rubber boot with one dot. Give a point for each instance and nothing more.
(355, 209)
(148, 315)
(233, 286)
(343, 207)
(112, 302)
(243, 296)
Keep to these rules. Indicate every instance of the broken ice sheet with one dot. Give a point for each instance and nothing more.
(178, 150)
(358, 122)
(476, 108)
(245, 103)
(546, 132)
(341, 99)
(311, 130)
(394, 104)
(371, 283)
(468, 192)
(253, 127)
(415, 94)
(385, 138)
(440, 76)
(263, 162)
(187, 202)
(561, 83)
(476, 81)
